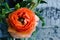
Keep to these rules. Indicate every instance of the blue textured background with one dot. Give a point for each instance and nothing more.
(51, 14)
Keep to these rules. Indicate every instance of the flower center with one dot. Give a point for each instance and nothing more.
(21, 20)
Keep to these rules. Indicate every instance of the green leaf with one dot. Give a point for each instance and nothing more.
(28, 0)
(34, 33)
(2, 1)
(6, 6)
(10, 38)
(39, 1)
(0, 20)
(41, 11)
(43, 23)
(24, 3)
(22, 38)
(42, 19)
(43, 2)
(32, 5)
(29, 38)
(0, 8)
(35, 1)
(17, 6)
(3, 11)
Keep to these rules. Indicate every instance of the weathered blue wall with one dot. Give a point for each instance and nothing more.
(51, 14)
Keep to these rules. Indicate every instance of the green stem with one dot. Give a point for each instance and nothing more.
(24, 39)
(35, 5)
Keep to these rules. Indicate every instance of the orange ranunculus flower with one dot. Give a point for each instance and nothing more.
(22, 23)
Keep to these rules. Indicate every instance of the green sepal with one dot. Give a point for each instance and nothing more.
(40, 17)
(17, 6)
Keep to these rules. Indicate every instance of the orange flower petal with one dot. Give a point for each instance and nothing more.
(19, 30)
